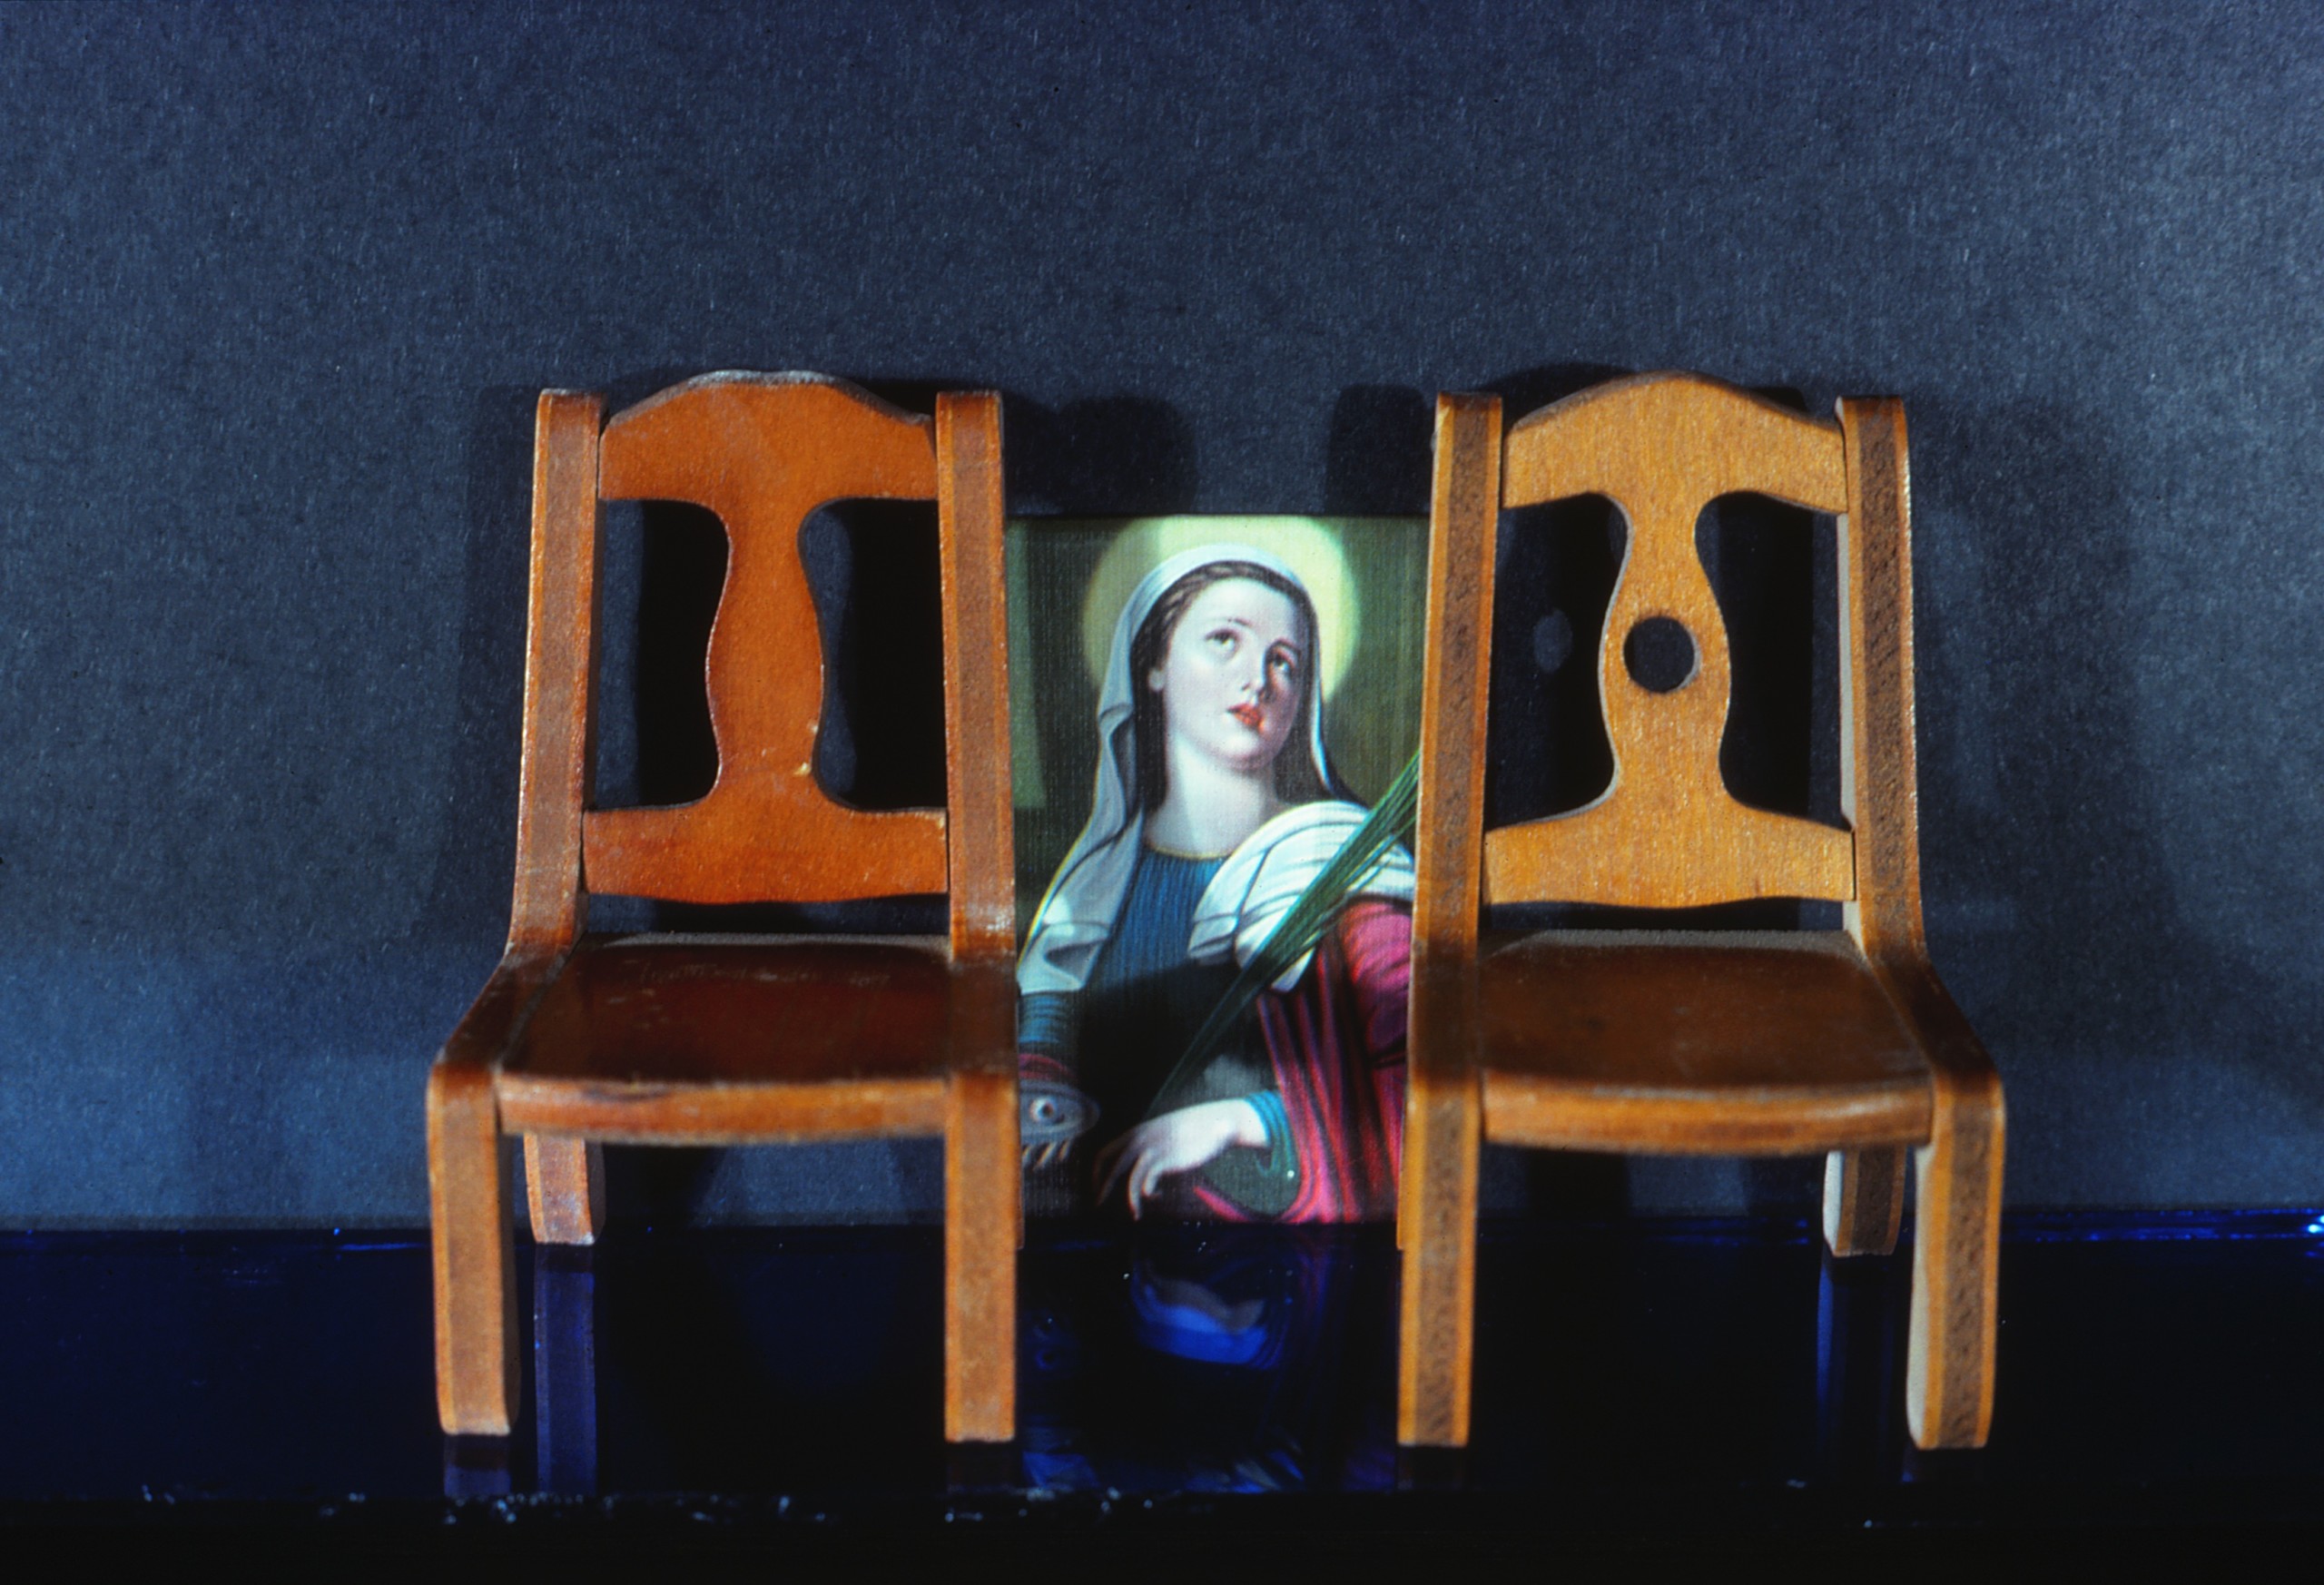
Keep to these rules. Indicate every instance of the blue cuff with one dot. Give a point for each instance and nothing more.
(1045, 1021)
(1283, 1158)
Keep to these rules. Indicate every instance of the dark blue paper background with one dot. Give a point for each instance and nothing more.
(277, 285)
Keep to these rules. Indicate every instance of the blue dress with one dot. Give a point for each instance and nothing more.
(1124, 1031)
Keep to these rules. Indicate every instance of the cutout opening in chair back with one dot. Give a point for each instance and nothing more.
(1775, 570)
(1546, 750)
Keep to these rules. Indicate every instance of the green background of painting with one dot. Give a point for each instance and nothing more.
(1371, 721)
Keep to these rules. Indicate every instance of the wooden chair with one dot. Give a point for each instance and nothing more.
(729, 1040)
(1689, 1042)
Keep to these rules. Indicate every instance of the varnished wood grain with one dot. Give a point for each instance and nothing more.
(1956, 1245)
(1464, 514)
(762, 452)
(1836, 1042)
(1708, 1011)
(665, 1039)
(1864, 1200)
(564, 1189)
(983, 862)
(564, 1181)
(477, 1378)
(634, 1112)
(1667, 833)
(560, 636)
(1878, 774)
(695, 1009)
(1436, 1211)
(1695, 1043)
(478, 1374)
(983, 1208)
(721, 1040)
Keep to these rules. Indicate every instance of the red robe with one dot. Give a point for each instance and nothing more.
(1336, 1041)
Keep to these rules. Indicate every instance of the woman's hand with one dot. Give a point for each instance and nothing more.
(1177, 1142)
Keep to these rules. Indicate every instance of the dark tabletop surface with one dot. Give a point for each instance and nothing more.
(1221, 1397)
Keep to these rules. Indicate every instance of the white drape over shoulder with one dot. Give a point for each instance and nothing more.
(1261, 880)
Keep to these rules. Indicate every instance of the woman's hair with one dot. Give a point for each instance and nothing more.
(1297, 779)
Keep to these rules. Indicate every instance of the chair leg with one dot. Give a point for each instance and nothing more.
(1864, 1200)
(564, 1189)
(1956, 1251)
(477, 1380)
(981, 1227)
(1437, 1229)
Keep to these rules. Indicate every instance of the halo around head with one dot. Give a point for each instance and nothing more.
(1311, 550)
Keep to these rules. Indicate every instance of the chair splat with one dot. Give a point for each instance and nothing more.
(1667, 833)
(762, 453)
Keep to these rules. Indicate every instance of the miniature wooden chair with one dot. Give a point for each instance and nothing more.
(1737, 1043)
(728, 1041)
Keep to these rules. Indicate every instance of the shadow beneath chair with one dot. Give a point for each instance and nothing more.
(1202, 1360)
(749, 1361)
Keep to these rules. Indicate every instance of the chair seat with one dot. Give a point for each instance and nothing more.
(735, 1038)
(1694, 1042)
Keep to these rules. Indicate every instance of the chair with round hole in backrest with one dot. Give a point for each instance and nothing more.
(1842, 1043)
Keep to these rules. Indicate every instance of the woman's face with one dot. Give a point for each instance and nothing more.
(1232, 680)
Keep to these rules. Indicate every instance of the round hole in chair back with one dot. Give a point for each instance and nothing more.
(1660, 654)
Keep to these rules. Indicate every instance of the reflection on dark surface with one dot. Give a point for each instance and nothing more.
(565, 1369)
(1614, 1361)
(1856, 1380)
(1240, 1359)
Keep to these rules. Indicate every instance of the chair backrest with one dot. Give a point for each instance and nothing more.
(1667, 833)
(762, 452)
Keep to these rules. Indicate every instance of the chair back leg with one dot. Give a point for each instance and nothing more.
(564, 1189)
(1864, 1200)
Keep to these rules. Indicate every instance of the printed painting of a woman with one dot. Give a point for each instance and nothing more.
(1215, 809)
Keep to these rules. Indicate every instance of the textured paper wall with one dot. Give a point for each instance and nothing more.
(277, 286)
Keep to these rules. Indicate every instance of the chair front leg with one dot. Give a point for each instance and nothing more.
(1437, 1228)
(981, 1232)
(478, 1385)
(1863, 1200)
(1956, 1254)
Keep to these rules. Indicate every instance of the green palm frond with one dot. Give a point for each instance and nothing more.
(1302, 929)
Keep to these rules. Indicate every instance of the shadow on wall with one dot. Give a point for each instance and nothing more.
(1110, 457)
(468, 895)
(2054, 906)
